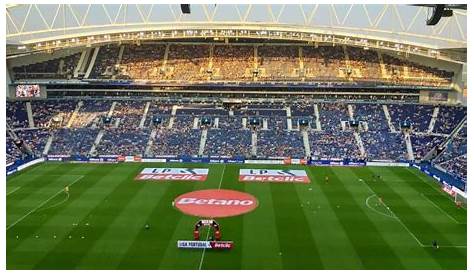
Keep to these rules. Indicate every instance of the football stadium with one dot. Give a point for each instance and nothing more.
(236, 137)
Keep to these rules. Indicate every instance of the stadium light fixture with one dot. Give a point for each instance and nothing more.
(186, 8)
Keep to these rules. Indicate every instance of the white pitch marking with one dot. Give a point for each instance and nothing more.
(11, 192)
(209, 229)
(40, 205)
(396, 217)
(440, 209)
(367, 204)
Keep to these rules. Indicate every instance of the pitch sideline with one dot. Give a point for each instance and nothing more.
(42, 204)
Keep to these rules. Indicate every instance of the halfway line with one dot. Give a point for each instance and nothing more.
(209, 229)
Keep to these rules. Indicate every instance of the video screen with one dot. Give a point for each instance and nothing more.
(439, 96)
(25, 91)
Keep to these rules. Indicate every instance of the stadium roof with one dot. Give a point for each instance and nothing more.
(33, 23)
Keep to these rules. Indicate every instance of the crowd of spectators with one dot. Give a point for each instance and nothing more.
(178, 140)
(35, 139)
(331, 115)
(12, 152)
(73, 141)
(197, 62)
(232, 62)
(229, 137)
(448, 118)
(123, 141)
(52, 113)
(91, 112)
(454, 157)
(105, 65)
(302, 109)
(412, 73)
(278, 62)
(419, 116)
(280, 143)
(333, 145)
(230, 123)
(130, 114)
(324, 62)
(373, 114)
(228, 140)
(142, 62)
(58, 68)
(455, 148)
(384, 145)
(364, 63)
(422, 144)
(189, 62)
(456, 166)
(16, 114)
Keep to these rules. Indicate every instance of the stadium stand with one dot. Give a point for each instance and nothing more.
(60, 68)
(16, 114)
(235, 62)
(73, 141)
(384, 145)
(418, 115)
(52, 113)
(278, 143)
(229, 137)
(334, 144)
(123, 141)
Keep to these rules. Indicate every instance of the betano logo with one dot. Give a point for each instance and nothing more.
(273, 175)
(215, 203)
(173, 174)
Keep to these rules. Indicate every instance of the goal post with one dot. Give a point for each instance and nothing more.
(460, 198)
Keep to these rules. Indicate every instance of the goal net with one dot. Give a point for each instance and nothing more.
(461, 199)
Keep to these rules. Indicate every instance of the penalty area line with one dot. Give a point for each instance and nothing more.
(42, 204)
(209, 229)
(396, 218)
(440, 209)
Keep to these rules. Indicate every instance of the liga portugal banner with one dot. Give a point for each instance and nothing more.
(173, 174)
(206, 244)
(273, 175)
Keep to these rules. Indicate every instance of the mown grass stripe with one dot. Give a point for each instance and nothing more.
(439, 222)
(56, 221)
(374, 252)
(259, 231)
(152, 244)
(232, 229)
(174, 258)
(298, 247)
(424, 230)
(329, 235)
(443, 200)
(104, 212)
(41, 204)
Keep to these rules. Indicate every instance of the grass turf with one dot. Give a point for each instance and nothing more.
(337, 225)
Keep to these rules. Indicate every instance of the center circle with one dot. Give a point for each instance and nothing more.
(215, 203)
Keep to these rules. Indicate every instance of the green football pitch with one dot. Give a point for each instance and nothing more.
(355, 221)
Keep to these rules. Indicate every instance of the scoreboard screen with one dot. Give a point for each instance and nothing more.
(25, 91)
